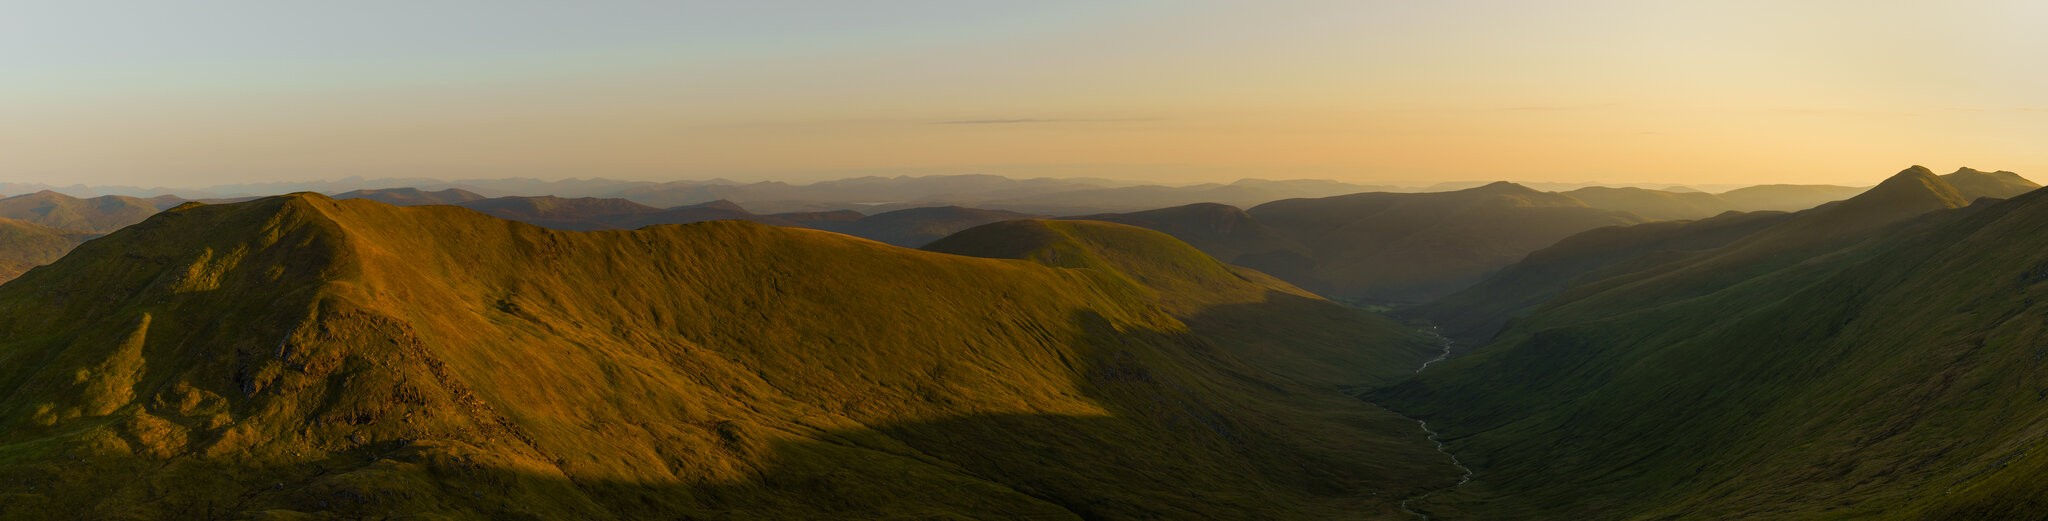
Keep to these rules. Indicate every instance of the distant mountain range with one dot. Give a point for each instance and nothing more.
(1037, 196)
(1295, 244)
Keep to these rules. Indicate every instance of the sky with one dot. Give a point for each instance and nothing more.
(198, 93)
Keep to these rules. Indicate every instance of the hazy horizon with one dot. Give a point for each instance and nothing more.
(142, 94)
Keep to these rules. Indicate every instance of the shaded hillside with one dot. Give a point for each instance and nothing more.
(861, 192)
(1653, 204)
(1206, 293)
(26, 245)
(95, 215)
(300, 355)
(564, 213)
(1224, 232)
(1875, 358)
(1974, 184)
(413, 196)
(1474, 314)
(1243, 193)
(711, 211)
(591, 213)
(820, 220)
(916, 227)
(1785, 198)
(1389, 247)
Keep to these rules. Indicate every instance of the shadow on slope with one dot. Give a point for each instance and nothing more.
(1161, 446)
(302, 355)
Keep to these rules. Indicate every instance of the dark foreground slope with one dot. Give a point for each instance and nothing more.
(299, 355)
(1876, 358)
(1395, 247)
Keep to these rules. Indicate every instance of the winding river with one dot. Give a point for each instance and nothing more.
(1432, 436)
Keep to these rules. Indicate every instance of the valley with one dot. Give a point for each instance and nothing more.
(431, 353)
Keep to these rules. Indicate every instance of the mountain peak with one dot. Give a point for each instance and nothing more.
(721, 204)
(1975, 184)
(1910, 192)
(1916, 180)
(1502, 188)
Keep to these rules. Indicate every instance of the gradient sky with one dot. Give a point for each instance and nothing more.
(206, 92)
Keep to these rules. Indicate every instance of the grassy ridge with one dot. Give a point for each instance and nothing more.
(299, 355)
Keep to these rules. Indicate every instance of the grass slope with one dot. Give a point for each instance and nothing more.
(1222, 231)
(26, 245)
(1876, 358)
(299, 357)
(1474, 314)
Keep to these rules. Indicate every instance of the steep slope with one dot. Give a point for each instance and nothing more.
(1870, 358)
(300, 355)
(1653, 204)
(1395, 247)
(1975, 184)
(26, 245)
(413, 196)
(916, 227)
(96, 215)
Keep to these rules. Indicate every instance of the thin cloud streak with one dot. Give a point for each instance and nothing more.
(1023, 121)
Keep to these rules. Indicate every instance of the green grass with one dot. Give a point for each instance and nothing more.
(300, 357)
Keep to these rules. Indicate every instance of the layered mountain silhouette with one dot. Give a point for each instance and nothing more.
(1974, 184)
(413, 196)
(911, 227)
(1395, 247)
(300, 356)
(916, 227)
(1872, 358)
(95, 215)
